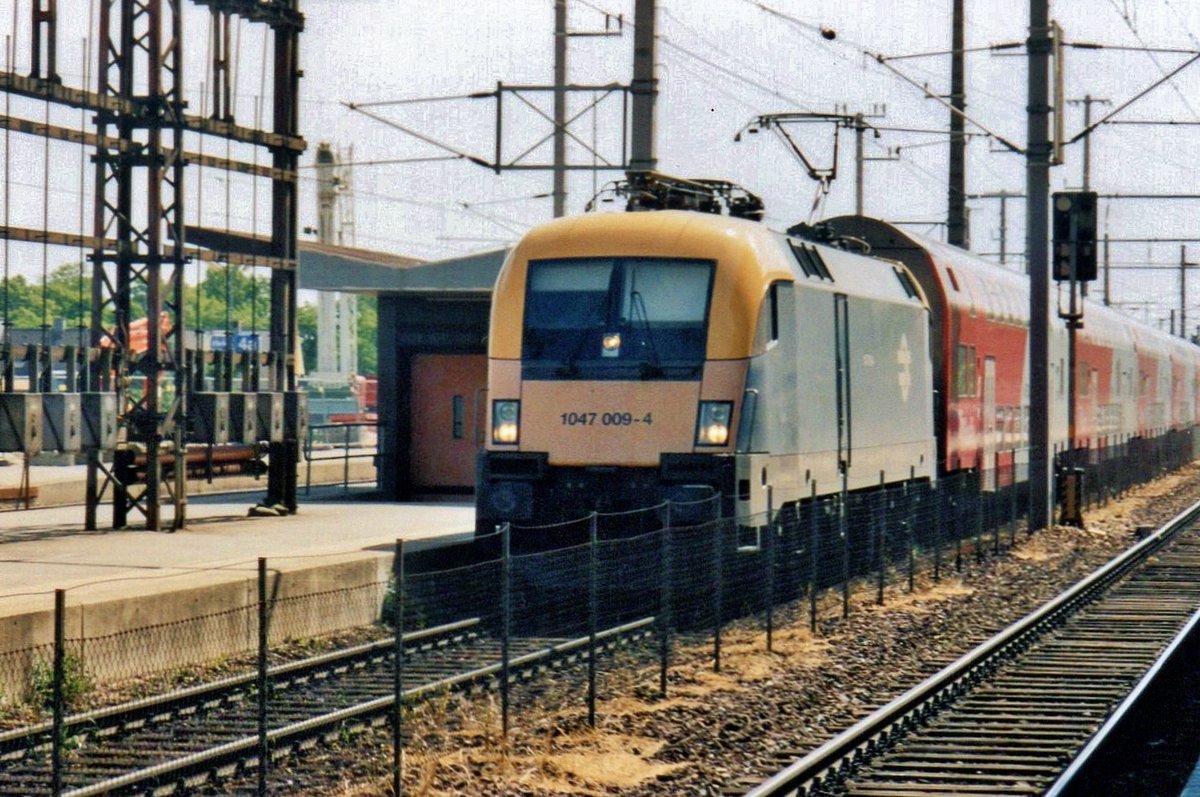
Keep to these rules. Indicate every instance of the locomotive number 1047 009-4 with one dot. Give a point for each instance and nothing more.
(605, 419)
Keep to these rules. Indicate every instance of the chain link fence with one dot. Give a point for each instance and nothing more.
(560, 596)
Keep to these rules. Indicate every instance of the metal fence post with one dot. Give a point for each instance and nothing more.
(592, 619)
(881, 515)
(506, 619)
(844, 531)
(910, 527)
(398, 673)
(1012, 504)
(994, 515)
(956, 513)
(664, 609)
(346, 459)
(263, 750)
(814, 521)
(977, 500)
(770, 560)
(718, 589)
(308, 445)
(936, 496)
(56, 743)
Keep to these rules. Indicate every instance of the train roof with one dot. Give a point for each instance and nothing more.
(752, 256)
(969, 282)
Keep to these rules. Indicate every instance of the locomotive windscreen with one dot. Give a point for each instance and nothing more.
(616, 318)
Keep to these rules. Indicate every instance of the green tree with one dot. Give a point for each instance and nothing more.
(306, 321)
(23, 298)
(368, 328)
(226, 294)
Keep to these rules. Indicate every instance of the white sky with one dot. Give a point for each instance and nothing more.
(721, 62)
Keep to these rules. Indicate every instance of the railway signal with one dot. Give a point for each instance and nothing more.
(1075, 236)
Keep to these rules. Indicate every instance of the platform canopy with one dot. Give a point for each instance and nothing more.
(324, 267)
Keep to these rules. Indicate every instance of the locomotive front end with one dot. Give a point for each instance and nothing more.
(610, 384)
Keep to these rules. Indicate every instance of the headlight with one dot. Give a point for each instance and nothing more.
(712, 425)
(506, 421)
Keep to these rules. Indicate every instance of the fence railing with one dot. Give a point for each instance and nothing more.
(343, 446)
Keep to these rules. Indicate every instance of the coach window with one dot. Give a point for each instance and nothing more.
(965, 372)
(774, 311)
(953, 279)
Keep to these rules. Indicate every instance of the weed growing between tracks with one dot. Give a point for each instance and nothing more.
(75, 683)
(84, 694)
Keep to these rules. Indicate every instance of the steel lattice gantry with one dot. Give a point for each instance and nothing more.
(140, 250)
(131, 46)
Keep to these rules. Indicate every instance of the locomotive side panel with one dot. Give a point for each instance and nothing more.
(792, 440)
(891, 393)
(887, 384)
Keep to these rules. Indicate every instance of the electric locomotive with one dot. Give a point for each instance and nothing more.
(636, 358)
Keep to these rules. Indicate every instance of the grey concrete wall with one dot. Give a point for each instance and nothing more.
(198, 618)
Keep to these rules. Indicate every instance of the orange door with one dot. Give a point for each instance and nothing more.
(447, 396)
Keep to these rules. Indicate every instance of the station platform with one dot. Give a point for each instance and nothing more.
(168, 599)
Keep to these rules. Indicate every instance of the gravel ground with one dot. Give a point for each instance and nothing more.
(760, 712)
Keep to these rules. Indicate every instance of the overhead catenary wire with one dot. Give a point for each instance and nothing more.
(1182, 22)
(743, 64)
(707, 61)
(1121, 107)
(883, 61)
(1133, 29)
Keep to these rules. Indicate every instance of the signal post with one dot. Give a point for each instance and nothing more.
(1074, 262)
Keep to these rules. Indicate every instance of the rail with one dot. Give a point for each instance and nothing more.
(849, 749)
(345, 455)
(1093, 751)
(325, 694)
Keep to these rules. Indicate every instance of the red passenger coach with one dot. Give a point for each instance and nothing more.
(1132, 382)
(979, 341)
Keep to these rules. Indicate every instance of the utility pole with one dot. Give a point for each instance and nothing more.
(1037, 190)
(560, 108)
(957, 231)
(1107, 285)
(1003, 228)
(644, 88)
(1003, 196)
(859, 128)
(1183, 266)
(1087, 102)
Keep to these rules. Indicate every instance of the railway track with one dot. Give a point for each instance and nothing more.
(176, 741)
(1009, 717)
